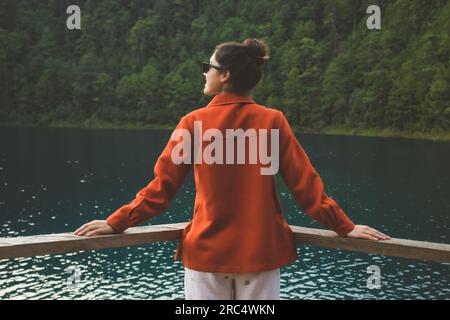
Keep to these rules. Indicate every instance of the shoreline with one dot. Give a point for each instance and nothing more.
(345, 131)
(379, 133)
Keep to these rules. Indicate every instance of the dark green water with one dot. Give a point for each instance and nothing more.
(54, 180)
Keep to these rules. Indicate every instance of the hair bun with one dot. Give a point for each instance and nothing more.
(257, 48)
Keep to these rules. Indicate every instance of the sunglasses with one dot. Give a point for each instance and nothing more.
(206, 66)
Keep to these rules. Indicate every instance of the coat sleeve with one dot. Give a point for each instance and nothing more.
(306, 185)
(153, 199)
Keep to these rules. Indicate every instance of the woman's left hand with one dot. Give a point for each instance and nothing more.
(366, 232)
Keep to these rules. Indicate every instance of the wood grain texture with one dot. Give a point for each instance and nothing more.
(67, 242)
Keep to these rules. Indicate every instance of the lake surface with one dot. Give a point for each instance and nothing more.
(54, 180)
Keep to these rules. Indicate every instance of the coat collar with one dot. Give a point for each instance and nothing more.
(229, 98)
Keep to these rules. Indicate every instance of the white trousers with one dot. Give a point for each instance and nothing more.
(263, 285)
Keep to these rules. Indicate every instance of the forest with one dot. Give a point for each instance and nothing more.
(136, 62)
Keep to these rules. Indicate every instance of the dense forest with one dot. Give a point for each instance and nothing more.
(136, 61)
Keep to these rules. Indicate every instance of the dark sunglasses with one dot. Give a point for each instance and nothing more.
(206, 66)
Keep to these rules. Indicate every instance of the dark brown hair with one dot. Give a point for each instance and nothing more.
(244, 61)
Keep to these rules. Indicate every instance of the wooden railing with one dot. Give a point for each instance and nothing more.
(67, 242)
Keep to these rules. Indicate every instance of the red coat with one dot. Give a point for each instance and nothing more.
(238, 223)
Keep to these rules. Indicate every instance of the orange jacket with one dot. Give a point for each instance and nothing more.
(238, 224)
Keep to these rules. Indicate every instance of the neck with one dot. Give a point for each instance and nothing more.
(246, 94)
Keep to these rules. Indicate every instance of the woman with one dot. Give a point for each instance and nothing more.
(238, 238)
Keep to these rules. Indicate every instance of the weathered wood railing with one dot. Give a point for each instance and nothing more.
(68, 242)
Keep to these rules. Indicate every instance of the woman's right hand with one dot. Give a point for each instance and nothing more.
(94, 228)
